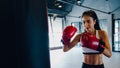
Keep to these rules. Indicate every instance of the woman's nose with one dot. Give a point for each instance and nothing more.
(85, 24)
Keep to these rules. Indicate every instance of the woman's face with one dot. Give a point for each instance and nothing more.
(88, 23)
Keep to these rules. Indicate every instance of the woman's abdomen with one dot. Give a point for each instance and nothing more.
(93, 59)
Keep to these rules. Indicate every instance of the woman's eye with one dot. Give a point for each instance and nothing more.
(88, 21)
(83, 22)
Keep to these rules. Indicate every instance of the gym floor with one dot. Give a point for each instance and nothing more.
(74, 59)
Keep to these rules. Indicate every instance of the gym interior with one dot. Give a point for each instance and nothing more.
(31, 32)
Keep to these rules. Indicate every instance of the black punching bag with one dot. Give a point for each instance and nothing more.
(25, 34)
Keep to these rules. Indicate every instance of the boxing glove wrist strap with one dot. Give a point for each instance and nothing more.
(65, 42)
(101, 48)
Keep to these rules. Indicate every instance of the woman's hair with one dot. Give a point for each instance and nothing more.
(92, 14)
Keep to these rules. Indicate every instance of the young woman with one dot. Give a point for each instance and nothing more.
(93, 34)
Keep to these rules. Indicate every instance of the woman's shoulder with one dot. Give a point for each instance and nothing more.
(102, 31)
(79, 34)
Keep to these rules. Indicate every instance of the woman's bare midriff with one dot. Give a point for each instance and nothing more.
(93, 59)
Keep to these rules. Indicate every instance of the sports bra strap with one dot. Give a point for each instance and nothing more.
(97, 34)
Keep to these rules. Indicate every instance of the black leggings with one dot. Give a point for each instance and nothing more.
(92, 66)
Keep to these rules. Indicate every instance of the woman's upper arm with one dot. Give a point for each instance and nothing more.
(107, 50)
(75, 40)
(72, 43)
(105, 39)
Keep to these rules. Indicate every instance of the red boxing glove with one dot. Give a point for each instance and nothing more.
(90, 41)
(68, 33)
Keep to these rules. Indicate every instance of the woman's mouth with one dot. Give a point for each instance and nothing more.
(87, 29)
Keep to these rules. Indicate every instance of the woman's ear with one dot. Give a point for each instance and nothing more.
(94, 21)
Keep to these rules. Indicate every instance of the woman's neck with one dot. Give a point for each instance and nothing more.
(93, 32)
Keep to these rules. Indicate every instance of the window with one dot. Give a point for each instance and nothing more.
(55, 31)
(117, 36)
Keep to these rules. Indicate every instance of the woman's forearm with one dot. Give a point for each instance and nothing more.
(107, 52)
(65, 48)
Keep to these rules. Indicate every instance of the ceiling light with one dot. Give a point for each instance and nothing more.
(78, 1)
(60, 6)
